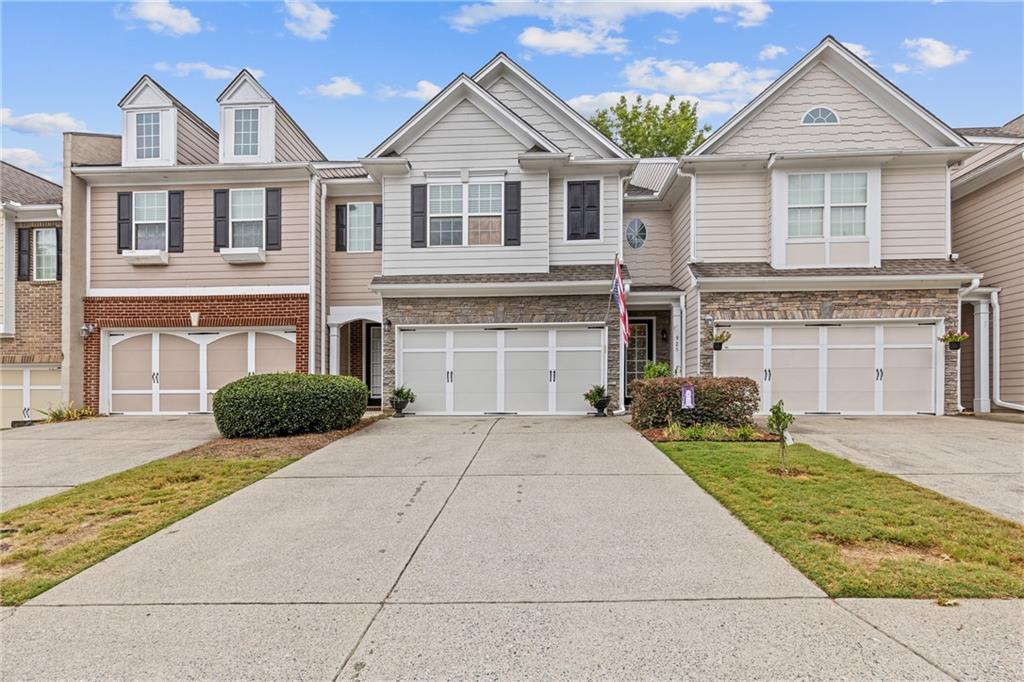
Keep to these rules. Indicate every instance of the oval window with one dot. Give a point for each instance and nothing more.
(636, 233)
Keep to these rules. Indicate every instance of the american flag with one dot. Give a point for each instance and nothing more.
(619, 294)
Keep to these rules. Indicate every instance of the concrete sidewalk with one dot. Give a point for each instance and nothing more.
(514, 547)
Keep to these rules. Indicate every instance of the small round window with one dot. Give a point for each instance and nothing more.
(819, 116)
(636, 233)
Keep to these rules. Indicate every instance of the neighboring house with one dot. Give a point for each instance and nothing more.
(469, 256)
(30, 295)
(988, 233)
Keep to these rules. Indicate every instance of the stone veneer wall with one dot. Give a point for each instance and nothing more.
(826, 305)
(37, 314)
(501, 310)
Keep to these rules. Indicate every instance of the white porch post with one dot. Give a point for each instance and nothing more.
(677, 340)
(982, 402)
(334, 350)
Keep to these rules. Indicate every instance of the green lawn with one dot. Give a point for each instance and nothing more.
(48, 541)
(858, 532)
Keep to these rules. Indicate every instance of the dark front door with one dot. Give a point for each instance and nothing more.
(640, 350)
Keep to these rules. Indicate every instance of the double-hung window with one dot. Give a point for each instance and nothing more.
(247, 218)
(466, 214)
(149, 221)
(848, 204)
(445, 209)
(147, 135)
(360, 227)
(247, 132)
(485, 206)
(832, 204)
(45, 255)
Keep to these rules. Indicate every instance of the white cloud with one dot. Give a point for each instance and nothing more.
(308, 20)
(338, 87)
(929, 53)
(575, 42)
(900, 68)
(160, 16)
(720, 80)
(209, 72)
(668, 37)
(770, 52)
(23, 158)
(423, 91)
(40, 123)
(588, 104)
(861, 51)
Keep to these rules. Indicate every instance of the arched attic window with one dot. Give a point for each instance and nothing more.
(820, 116)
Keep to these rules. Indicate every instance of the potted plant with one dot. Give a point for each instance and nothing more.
(401, 396)
(719, 339)
(953, 339)
(598, 398)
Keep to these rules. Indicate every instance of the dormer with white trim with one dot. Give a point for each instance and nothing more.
(150, 126)
(247, 121)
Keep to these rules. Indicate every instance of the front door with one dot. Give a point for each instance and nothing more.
(373, 368)
(640, 351)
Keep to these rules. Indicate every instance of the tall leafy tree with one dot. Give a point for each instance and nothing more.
(644, 129)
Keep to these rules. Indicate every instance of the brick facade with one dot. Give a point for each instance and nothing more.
(501, 310)
(826, 305)
(172, 312)
(355, 349)
(37, 313)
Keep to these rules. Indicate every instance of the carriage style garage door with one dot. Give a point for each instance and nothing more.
(837, 368)
(513, 369)
(177, 372)
(25, 392)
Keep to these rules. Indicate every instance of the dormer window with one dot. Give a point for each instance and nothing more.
(247, 132)
(147, 135)
(820, 116)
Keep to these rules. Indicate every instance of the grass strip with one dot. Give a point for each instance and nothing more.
(857, 532)
(48, 541)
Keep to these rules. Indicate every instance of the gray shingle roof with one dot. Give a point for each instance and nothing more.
(27, 188)
(890, 268)
(1013, 128)
(557, 273)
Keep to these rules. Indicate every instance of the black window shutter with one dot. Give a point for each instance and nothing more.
(273, 210)
(124, 221)
(220, 220)
(175, 222)
(592, 209)
(24, 249)
(418, 215)
(60, 256)
(378, 227)
(512, 222)
(341, 227)
(574, 210)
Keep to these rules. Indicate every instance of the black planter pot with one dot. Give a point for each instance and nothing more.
(716, 345)
(954, 345)
(602, 405)
(399, 405)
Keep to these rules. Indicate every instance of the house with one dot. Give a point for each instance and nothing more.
(988, 232)
(469, 255)
(30, 295)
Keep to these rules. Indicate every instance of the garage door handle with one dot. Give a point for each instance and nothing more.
(153, 377)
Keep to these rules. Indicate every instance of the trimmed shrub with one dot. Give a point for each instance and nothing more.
(653, 370)
(266, 405)
(730, 401)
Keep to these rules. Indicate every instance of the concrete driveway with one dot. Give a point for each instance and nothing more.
(495, 548)
(978, 461)
(42, 460)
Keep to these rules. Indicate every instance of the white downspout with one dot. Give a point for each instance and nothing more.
(996, 395)
(975, 283)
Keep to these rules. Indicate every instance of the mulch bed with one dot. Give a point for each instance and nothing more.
(658, 436)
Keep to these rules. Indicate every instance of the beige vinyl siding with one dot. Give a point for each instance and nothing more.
(988, 233)
(465, 139)
(199, 265)
(777, 127)
(680, 256)
(196, 144)
(534, 114)
(3, 264)
(987, 153)
(349, 274)
(651, 264)
(914, 212)
(290, 144)
(692, 338)
(732, 216)
(586, 250)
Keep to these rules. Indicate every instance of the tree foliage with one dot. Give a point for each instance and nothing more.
(644, 129)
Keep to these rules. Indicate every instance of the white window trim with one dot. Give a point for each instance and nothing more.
(565, 211)
(231, 218)
(266, 143)
(35, 261)
(626, 233)
(474, 180)
(168, 137)
(348, 211)
(166, 218)
(234, 113)
(820, 106)
(872, 219)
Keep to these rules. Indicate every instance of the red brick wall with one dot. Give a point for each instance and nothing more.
(256, 310)
(37, 315)
(355, 349)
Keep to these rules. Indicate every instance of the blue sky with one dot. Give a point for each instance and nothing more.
(350, 73)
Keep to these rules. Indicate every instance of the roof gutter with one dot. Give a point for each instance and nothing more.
(784, 283)
(429, 289)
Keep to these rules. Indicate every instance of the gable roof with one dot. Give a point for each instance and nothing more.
(1013, 128)
(462, 88)
(21, 187)
(147, 80)
(502, 64)
(861, 76)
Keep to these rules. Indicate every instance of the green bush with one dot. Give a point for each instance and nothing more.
(268, 405)
(653, 370)
(730, 401)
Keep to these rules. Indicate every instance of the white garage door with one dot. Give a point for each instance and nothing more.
(837, 368)
(501, 370)
(26, 392)
(177, 372)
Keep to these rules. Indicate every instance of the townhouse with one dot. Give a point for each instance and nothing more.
(469, 255)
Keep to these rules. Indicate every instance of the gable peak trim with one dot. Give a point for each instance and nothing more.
(244, 76)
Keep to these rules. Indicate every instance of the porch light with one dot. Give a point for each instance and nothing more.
(387, 324)
(86, 329)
